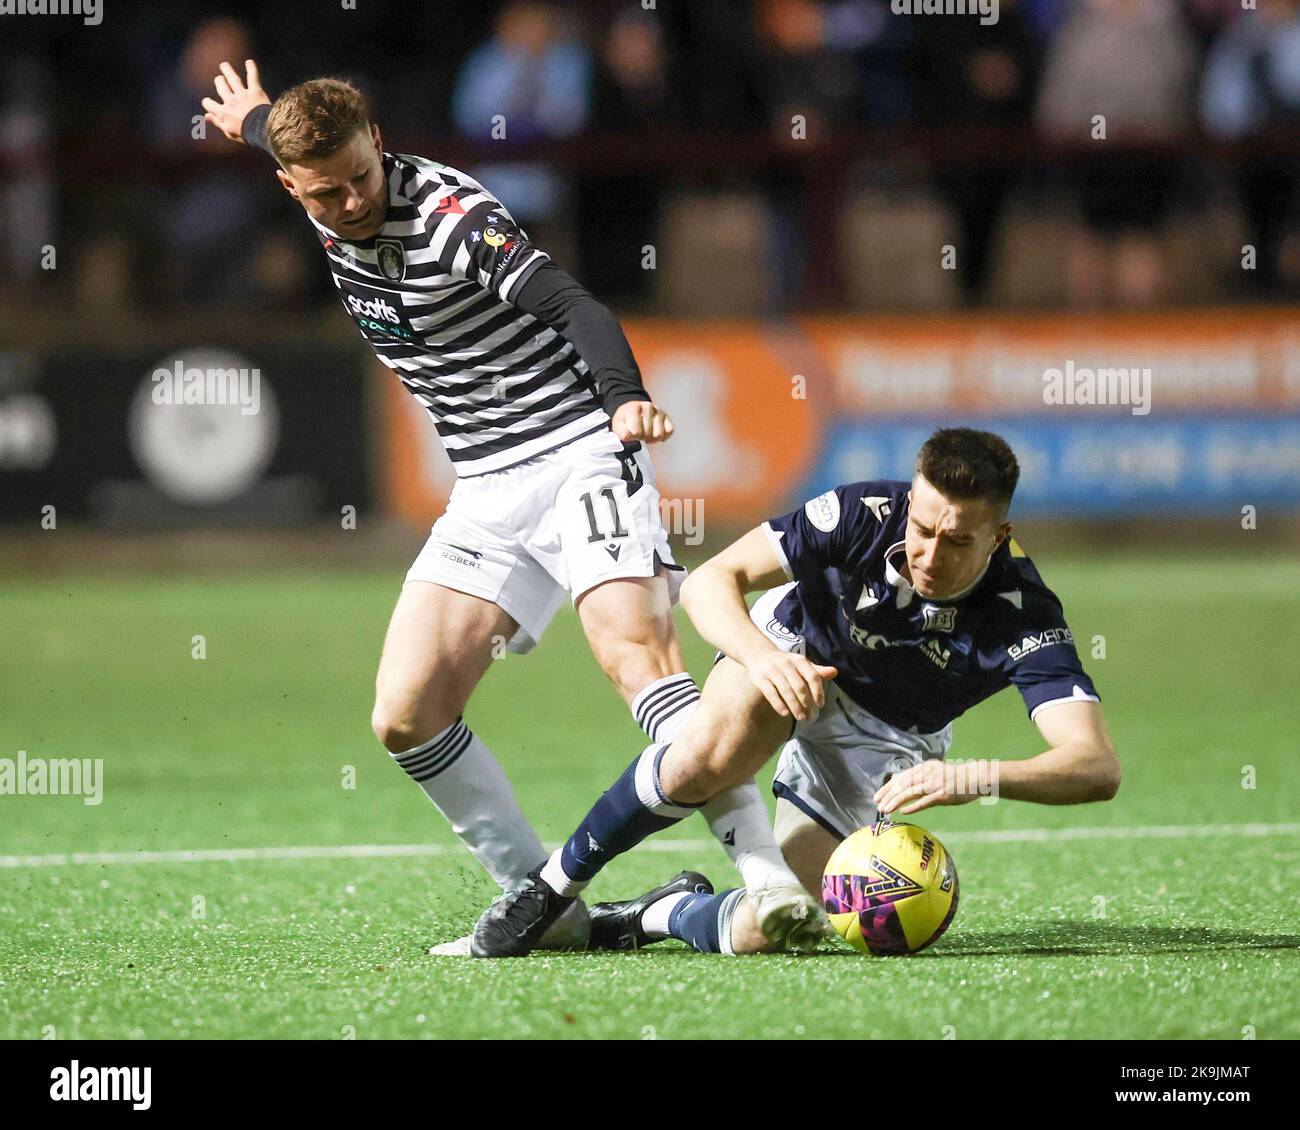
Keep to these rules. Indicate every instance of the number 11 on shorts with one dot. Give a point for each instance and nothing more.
(596, 533)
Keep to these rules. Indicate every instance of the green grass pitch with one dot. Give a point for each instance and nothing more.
(1129, 933)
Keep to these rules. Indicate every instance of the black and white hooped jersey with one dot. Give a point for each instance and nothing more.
(431, 293)
(916, 663)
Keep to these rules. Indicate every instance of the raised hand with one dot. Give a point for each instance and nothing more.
(238, 96)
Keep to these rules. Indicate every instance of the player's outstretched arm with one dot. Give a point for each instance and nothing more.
(714, 598)
(553, 296)
(236, 98)
(1078, 767)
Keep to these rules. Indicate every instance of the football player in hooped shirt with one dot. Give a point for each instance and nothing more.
(538, 401)
(891, 609)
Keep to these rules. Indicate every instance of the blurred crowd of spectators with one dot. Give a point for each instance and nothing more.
(1172, 79)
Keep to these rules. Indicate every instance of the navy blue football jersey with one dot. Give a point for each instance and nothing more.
(916, 663)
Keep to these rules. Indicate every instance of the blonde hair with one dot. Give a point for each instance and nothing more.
(315, 119)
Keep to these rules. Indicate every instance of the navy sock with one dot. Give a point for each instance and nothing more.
(633, 808)
(704, 921)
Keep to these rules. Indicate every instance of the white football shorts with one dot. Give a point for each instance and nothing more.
(833, 764)
(562, 522)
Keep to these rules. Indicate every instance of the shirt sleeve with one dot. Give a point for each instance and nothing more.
(1041, 661)
(253, 129)
(476, 239)
(817, 535)
(481, 242)
(552, 296)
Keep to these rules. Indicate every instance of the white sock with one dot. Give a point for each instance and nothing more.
(726, 916)
(738, 820)
(553, 875)
(468, 786)
(654, 922)
(662, 708)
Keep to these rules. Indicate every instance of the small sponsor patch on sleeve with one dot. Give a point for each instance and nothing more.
(1051, 637)
(824, 511)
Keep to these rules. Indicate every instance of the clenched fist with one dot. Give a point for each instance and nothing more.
(639, 419)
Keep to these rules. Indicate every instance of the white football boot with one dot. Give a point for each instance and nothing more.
(789, 916)
(571, 932)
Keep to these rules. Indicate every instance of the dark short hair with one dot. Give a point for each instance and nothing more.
(964, 463)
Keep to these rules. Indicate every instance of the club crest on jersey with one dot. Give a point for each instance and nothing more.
(939, 619)
(391, 257)
(494, 238)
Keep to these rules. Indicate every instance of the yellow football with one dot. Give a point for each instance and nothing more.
(890, 888)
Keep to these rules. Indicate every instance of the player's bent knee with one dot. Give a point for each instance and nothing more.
(695, 774)
(636, 656)
(394, 730)
(631, 633)
(632, 665)
(402, 723)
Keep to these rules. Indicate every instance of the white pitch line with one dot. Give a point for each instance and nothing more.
(1141, 832)
(388, 851)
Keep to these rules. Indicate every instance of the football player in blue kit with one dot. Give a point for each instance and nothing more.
(890, 609)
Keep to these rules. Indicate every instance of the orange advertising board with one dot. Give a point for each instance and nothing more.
(997, 362)
(760, 404)
(745, 420)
